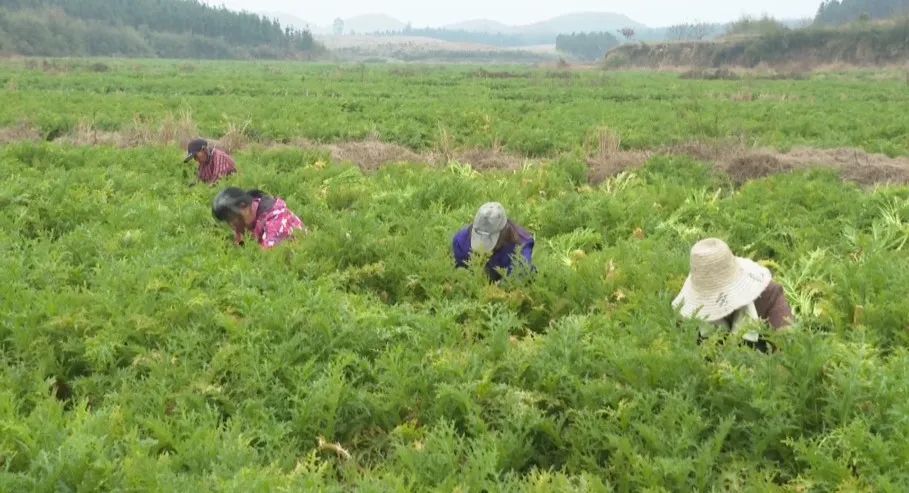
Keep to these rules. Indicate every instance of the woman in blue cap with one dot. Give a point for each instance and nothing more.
(493, 234)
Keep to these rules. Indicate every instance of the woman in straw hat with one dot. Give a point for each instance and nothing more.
(730, 292)
(492, 233)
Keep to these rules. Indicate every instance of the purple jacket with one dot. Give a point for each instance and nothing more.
(502, 259)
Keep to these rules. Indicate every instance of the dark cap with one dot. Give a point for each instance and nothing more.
(193, 147)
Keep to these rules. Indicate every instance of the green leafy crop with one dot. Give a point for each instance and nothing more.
(141, 350)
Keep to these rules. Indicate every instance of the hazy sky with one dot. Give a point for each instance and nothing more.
(654, 13)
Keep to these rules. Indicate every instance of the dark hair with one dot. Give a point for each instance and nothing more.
(510, 235)
(231, 202)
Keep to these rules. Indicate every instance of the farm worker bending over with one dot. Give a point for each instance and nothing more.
(731, 293)
(492, 233)
(214, 164)
(267, 218)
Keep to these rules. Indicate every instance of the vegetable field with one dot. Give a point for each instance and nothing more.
(141, 351)
(534, 112)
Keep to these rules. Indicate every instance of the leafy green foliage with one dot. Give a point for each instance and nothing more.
(587, 46)
(141, 350)
(754, 43)
(836, 12)
(750, 26)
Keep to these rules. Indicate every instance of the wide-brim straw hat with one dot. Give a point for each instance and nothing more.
(719, 283)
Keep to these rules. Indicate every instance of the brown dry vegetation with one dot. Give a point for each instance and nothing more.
(742, 163)
(604, 156)
(18, 133)
(370, 155)
(491, 159)
(235, 138)
(601, 168)
(173, 130)
(853, 164)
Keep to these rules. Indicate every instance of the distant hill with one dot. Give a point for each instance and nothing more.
(144, 28)
(494, 33)
(499, 40)
(543, 32)
(361, 24)
(481, 26)
(372, 23)
(583, 22)
(417, 49)
(289, 20)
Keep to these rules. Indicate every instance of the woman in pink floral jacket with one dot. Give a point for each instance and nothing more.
(267, 218)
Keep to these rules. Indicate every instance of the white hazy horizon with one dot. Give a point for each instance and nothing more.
(654, 13)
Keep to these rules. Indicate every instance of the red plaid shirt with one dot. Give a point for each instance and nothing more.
(218, 166)
(272, 226)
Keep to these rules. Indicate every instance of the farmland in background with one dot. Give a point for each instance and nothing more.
(532, 112)
(141, 350)
(375, 49)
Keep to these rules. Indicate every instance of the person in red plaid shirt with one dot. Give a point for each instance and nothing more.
(267, 218)
(214, 164)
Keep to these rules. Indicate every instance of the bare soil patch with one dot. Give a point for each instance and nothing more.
(853, 164)
(490, 159)
(601, 168)
(740, 163)
(752, 166)
(370, 155)
(9, 135)
(743, 164)
(605, 156)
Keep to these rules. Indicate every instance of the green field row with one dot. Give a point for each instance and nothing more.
(534, 112)
(141, 351)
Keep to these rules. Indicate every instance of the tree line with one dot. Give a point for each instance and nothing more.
(586, 46)
(156, 28)
(837, 12)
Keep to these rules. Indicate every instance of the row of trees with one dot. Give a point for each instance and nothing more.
(692, 31)
(837, 12)
(756, 26)
(587, 46)
(166, 28)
